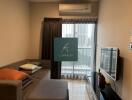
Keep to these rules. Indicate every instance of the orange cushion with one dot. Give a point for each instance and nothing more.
(12, 74)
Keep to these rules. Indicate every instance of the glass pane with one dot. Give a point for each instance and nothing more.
(84, 65)
(67, 30)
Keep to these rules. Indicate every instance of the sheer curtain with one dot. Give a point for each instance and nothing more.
(85, 34)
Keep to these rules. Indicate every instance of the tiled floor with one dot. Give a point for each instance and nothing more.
(77, 90)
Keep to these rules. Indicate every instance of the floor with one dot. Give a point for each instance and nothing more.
(77, 90)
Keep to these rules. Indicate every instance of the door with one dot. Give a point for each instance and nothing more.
(85, 32)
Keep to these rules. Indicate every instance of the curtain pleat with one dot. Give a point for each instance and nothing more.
(80, 20)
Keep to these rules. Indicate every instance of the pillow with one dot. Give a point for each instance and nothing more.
(28, 66)
(12, 74)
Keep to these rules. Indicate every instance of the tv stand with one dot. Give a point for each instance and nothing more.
(103, 90)
(108, 93)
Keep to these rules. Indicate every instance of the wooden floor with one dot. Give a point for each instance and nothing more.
(77, 90)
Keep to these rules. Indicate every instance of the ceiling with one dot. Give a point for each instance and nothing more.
(60, 0)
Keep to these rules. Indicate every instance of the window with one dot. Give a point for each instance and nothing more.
(84, 66)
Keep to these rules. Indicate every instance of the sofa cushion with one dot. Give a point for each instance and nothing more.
(12, 74)
(28, 66)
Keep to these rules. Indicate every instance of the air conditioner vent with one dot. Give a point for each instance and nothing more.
(74, 9)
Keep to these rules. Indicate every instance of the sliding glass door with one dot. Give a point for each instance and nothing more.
(85, 64)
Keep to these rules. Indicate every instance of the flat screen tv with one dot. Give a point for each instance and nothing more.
(109, 61)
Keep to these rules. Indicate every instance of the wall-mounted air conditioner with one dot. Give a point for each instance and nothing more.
(75, 9)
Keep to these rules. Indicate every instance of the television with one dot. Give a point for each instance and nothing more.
(109, 61)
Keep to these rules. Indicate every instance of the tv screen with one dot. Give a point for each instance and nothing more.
(109, 59)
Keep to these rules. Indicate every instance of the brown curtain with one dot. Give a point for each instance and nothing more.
(52, 28)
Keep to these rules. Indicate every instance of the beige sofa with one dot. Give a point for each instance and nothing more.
(14, 90)
(44, 90)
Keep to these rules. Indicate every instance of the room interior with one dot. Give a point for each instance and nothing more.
(21, 27)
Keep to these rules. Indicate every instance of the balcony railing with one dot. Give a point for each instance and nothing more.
(78, 69)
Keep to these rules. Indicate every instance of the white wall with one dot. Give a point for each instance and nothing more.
(115, 24)
(40, 10)
(14, 31)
